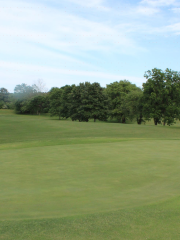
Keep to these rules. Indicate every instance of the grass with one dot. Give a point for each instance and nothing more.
(71, 180)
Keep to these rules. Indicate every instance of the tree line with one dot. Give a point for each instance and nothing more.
(159, 99)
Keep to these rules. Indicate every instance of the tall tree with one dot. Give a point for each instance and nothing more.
(98, 102)
(79, 109)
(39, 104)
(88, 101)
(117, 92)
(161, 96)
(55, 95)
(66, 101)
(132, 106)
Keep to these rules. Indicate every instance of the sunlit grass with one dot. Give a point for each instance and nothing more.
(71, 180)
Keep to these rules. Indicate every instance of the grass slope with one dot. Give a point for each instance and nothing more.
(71, 180)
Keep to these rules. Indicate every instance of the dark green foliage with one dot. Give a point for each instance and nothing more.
(88, 101)
(55, 101)
(77, 110)
(39, 104)
(132, 106)
(98, 101)
(22, 106)
(117, 92)
(66, 101)
(1, 104)
(161, 96)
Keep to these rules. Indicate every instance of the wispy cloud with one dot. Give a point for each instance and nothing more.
(70, 37)
(61, 30)
(159, 3)
(146, 10)
(173, 28)
(97, 4)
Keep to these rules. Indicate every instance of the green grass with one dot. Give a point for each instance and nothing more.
(71, 180)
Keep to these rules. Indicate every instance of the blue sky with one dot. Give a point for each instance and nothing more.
(71, 41)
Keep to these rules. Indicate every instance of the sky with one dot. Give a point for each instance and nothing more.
(72, 41)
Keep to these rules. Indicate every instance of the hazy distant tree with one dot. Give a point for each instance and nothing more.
(1, 104)
(24, 91)
(4, 95)
(40, 86)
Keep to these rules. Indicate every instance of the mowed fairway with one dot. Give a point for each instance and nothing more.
(71, 180)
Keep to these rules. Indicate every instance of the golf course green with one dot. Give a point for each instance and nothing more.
(61, 179)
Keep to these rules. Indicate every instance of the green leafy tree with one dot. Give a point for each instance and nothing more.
(22, 106)
(11, 103)
(1, 104)
(55, 95)
(39, 104)
(78, 108)
(65, 105)
(161, 96)
(98, 102)
(117, 92)
(172, 99)
(132, 106)
(88, 101)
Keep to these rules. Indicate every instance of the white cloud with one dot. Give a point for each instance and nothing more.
(150, 7)
(62, 31)
(176, 10)
(98, 4)
(159, 3)
(147, 10)
(174, 28)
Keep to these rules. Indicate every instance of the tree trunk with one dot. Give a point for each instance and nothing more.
(139, 121)
(94, 119)
(155, 121)
(123, 120)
